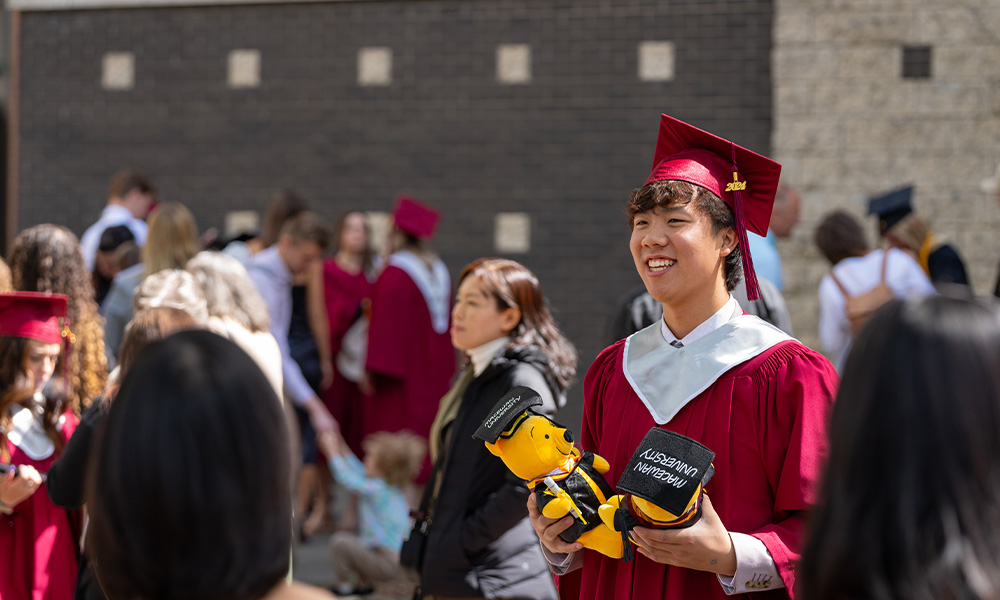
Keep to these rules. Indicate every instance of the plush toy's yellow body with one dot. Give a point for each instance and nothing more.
(653, 515)
(534, 448)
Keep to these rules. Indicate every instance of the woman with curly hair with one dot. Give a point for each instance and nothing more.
(47, 258)
(38, 540)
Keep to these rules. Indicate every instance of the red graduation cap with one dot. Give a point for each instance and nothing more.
(415, 218)
(745, 180)
(32, 315)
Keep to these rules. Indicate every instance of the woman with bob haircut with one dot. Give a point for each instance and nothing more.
(236, 310)
(910, 503)
(205, 511)
(480, 543)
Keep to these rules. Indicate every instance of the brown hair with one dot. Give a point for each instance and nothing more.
(18, 388)
(307, 227)
(338, 231)
(671, 192)
(512, 285)
(284, 205)
(147, 326)
(839, 236)
(172, 239)
(47, 258)
(399, 456)
(125, 181)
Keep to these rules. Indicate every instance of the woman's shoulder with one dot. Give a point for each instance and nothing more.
(298, 591)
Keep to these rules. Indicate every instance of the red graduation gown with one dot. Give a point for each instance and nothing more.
(343, 293)
(413, 364)
(766, 421)
(38, 541)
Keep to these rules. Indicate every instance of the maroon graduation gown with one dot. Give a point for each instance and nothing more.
(766, 421)
(412, 363)
(343, 293)
(38, 541)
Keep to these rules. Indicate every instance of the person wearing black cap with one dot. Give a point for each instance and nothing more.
(105, 267)
(904, 229)
(741, 387)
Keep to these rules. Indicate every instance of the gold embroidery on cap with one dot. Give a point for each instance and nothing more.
(736, 185)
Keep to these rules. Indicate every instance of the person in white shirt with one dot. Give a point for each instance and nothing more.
(858, 269)
(301, 244)
(129, 198)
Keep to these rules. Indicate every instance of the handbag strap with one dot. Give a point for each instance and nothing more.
(422, 511)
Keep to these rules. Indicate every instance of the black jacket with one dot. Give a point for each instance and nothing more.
(480, 542)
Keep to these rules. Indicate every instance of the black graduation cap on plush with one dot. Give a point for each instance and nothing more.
(891, 208)
(666, 469)
(505, 411)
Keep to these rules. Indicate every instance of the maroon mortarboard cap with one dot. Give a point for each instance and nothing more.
(32, 315)
(745, 180)
(415, 218)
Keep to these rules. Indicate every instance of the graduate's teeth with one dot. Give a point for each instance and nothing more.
(660, 264)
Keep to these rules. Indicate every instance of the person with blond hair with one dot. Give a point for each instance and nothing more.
(371, 556)
(236, 310)
(172, 241)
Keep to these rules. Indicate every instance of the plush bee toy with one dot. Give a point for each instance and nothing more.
(564, 480)
(663, 486)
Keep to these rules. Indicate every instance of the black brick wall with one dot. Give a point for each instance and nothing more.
(566, 148)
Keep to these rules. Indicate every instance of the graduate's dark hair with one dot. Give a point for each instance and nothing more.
(910, 500)
(512, 284)
(669, 192)
(189, 483)
(18, 387)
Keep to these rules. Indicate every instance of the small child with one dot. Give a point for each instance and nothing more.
(392, 460)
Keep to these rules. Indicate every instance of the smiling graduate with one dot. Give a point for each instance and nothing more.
(730, 381)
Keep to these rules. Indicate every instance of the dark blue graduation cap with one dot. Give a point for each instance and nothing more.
(891, 208)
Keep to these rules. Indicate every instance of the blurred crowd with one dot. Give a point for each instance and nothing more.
(210, 402)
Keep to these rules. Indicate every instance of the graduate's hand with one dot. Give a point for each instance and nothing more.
(548, 530)
(705, 546)
(18, 484)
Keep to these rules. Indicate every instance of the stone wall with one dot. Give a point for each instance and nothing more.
(847, 125)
